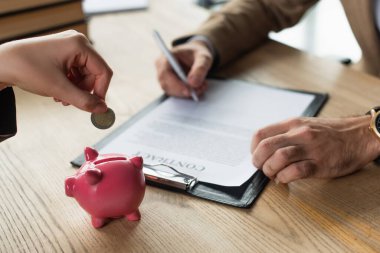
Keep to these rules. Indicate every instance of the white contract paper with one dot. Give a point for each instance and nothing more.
(210, 139)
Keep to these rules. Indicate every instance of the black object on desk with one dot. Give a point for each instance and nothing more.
(8, 126)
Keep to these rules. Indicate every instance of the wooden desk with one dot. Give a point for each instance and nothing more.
(340, 215)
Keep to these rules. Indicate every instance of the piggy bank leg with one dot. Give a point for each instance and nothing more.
(133, 216)
(98, 222)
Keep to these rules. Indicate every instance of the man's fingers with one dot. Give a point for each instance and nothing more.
(267, 147)
(294, 171)
(199, 70)
(169, 81)
(272, 130)
(281, 159)
(174, 87)
(201, 89)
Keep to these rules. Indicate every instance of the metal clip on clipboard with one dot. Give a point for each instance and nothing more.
(174, 179)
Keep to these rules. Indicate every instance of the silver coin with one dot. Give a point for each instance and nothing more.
(103, 120)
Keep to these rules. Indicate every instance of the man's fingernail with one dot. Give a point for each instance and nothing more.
(195, 81)
(276, 180)
(186, 93)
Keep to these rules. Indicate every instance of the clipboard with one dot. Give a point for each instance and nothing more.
(242, 196)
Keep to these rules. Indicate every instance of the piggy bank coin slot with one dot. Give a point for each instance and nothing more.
(109, 159)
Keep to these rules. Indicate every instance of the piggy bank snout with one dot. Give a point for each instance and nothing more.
(69, 186)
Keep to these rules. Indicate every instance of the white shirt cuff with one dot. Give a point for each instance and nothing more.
(206, 41)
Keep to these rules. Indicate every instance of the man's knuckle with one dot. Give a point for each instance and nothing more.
(256, 160)
(290, 153)
(304, 170)
(266, 144)
(268, 169)
(205, 61)
(308, 133)
(206, 57)
(260, 134)
(280, 178)
(201, 68)
(298, 171)
(284, 154)
(309, 169)
(293, 122)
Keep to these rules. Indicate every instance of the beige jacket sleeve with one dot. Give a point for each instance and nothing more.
(242, 25)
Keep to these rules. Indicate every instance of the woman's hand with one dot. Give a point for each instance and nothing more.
(63, 66)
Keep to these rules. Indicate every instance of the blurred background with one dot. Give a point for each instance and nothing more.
(324, 31)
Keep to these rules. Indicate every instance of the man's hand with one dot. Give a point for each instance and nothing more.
(196, 59)
(314, 147)
(63, 66)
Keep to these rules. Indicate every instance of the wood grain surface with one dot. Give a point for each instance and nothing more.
(340, 215)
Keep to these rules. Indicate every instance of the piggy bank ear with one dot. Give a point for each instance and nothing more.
(90, 154)
(137, 162)
(93, 176)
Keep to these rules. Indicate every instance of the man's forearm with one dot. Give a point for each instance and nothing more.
(244, 24)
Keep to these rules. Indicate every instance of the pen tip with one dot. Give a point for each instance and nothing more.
(194, 96)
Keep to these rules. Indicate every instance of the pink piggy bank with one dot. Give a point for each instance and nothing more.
(108, 186)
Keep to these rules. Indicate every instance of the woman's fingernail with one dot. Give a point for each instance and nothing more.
(100, 107)
(276, 180)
